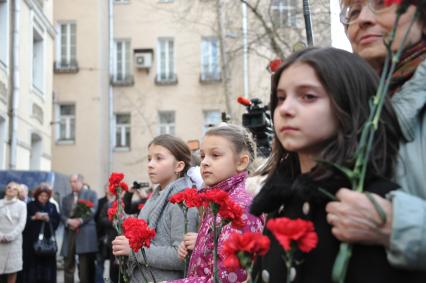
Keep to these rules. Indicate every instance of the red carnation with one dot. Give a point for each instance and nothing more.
(230, 211)
(138, 233)
(141, 205)
(274, 65)
(216, 196)
(240, 249)
(115, 181)
(87, 203)
(391, 2)
(300, 231)
(188, 197)
(112, 211)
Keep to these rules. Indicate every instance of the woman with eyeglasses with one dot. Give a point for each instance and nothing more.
(13, 215)
(354, 218)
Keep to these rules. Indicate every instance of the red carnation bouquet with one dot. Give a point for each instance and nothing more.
(82, 209)
(186, 199)
(293, 235)
(228, 210)
(140, 235)
(116, 215)
(240, 251)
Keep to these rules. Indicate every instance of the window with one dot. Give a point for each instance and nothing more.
(284, 12)
(38, 62)
(211, 118)
(66, 47)
(2, 142)
(167, 122)
(4, 32)
(210, 70)
(120, 1)
(166, 60)
(122, 130)
(122, 63)
(66, 122)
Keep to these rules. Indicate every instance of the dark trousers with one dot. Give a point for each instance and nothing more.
(86, 263)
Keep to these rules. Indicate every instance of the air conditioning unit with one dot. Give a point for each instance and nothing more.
(143, 60)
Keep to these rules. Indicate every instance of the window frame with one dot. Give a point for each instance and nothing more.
(166, 58)
(210, 69)
(284, 13)
(122, 128)
(167, 127)
(70, 125)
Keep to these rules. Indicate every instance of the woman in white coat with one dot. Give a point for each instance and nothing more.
(13, 215)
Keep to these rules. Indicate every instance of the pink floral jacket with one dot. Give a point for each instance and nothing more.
(200, 268)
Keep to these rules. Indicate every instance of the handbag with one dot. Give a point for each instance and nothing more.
(45, 246)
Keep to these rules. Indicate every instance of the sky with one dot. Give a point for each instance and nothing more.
(338, 36)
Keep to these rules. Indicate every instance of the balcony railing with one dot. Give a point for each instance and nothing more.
(166, 79)
(122, 80)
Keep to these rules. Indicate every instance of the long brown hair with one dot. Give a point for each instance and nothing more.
(350, 83)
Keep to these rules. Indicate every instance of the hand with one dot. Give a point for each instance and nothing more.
(182, 251)
(354, 218)
(189, 239)
(120, 246)
(45, 217)
(73, 223)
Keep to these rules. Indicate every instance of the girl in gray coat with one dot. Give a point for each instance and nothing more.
(168, 161)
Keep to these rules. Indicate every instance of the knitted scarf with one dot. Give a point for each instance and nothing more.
(407, 65)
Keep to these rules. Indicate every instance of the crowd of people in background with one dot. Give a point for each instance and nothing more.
(319, 103)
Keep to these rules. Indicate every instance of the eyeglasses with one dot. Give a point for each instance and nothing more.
(351, 11)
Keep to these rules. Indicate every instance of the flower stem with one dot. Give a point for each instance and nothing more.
(216, 242)
(185, 215)
(147, 265)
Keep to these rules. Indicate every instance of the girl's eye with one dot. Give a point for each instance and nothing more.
(202, 156)
(308, 97)
(280, 99)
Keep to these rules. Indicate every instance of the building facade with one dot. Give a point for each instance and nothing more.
(26, 80)
(148, 67)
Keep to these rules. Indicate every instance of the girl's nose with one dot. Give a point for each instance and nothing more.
(287, 107)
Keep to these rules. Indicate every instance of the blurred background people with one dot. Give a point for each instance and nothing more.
(13, 215)
(39, 268)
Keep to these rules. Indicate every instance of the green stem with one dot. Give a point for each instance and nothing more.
(147, 265)
(216, 242)
(185, 215)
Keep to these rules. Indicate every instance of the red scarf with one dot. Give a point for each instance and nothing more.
(407, 65)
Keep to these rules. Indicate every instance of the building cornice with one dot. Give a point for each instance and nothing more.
(45, 21)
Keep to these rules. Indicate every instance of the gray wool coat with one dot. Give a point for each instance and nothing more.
(168, 221)
(86, 241)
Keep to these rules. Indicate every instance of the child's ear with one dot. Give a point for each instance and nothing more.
(180, 165)
(243, 162)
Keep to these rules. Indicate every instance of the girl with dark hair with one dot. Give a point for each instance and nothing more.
(37, 268)
(320, 102)
(168, 161)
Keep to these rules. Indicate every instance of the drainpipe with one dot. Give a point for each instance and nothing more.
(15, 84)
(245, 51)
(110, 89)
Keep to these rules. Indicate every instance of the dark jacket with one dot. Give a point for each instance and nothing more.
(38, 268)
(300, 198)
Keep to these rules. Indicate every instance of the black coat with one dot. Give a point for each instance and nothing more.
(38, 268)
(300, 198)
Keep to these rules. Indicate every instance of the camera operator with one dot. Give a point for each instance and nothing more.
(136, 197)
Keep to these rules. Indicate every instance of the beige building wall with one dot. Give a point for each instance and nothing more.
(142, 23)
(33, 90)
(86, 88)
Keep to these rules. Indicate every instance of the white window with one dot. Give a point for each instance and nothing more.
(166, 60)
(167, 122)
(66, 48)
(211, 118)
(66, 122)
(122, 130)
(210, 68)
(120, 1)
(284, 12)
(38, 61)
(4, 32)
(122, 61)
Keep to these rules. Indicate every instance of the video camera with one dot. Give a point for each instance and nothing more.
(140, 185)
(258, 121)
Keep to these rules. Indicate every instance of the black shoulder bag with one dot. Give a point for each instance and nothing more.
(45, 246)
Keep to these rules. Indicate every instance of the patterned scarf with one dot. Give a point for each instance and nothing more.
(407, 65)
